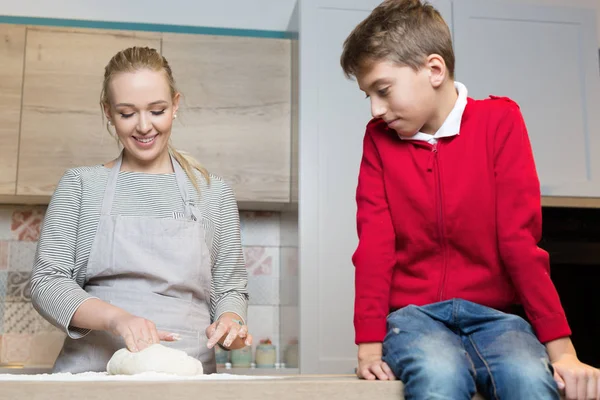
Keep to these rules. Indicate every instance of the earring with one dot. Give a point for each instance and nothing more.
(174, 116)
(110, 122)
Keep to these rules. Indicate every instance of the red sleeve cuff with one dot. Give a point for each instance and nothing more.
(370, 330)
(554, 326)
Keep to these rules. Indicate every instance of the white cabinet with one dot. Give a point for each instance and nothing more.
(546, 59)
(542, 56)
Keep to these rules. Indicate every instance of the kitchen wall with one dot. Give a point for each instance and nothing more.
(271, 253)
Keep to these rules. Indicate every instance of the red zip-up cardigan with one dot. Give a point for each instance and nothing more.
(460, 219)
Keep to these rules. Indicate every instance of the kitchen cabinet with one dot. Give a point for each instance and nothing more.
(235, 111)
(12, 51)
(62, 124)
(235, 114)
(544, 57)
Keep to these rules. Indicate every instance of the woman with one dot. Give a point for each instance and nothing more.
(145, 248)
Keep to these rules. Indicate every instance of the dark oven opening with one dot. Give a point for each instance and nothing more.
(572, 238)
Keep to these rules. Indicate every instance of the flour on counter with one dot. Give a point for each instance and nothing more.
(146, 376)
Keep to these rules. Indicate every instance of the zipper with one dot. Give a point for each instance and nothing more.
(434, 161)
(432, 158)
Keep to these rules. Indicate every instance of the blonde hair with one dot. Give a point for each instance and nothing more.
(138, 58)
(402, 31)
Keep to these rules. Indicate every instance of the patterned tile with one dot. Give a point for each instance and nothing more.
(288, 287)
(289, 323)
(20, 318)
(18, 286)
(26, 223)
(16, 348)
(4, 244)
(22, 255)
(3, 280)
(260, 228)
(261, 260)
(263, 275)
(263, 290)
(3, 285)
(5, 218)
(289, 328)
(289, 229)
(45, 348)
(289, 261)
(43, 326)
(288, 292)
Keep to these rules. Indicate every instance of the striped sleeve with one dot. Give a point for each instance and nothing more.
(229, 291)
(55, 294)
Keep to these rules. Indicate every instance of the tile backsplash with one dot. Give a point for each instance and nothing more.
(270, 246)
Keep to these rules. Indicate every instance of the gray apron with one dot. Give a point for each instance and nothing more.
(155, 268)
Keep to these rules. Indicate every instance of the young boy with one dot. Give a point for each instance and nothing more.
(449, 218)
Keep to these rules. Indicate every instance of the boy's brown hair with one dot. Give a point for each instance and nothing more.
(402, 31)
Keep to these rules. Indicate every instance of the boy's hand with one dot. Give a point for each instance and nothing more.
(370, 364)
(576, 380)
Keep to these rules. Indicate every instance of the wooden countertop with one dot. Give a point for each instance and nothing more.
(295, 387)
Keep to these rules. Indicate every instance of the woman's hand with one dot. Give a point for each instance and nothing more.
(138, 332)
(229, 331)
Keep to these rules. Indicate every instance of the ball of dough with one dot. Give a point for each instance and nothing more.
(155, 358)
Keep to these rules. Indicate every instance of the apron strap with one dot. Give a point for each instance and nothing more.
(180, 177)
(111, 186)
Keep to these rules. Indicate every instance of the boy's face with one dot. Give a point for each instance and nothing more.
(399, 95)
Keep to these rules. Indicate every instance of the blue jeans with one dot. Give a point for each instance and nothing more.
(451, 350)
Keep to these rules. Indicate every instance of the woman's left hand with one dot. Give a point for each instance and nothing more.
(229, 331)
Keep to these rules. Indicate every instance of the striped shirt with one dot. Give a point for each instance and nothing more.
(71, 222)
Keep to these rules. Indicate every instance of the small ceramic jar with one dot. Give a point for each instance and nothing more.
(222, 356)
(291, 355)
(266, 354)
(241, 358)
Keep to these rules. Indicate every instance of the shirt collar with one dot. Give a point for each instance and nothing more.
(451, 125)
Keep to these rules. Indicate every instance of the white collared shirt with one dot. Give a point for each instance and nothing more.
(451, 125)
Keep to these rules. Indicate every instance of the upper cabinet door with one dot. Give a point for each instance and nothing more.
(62, 121)
(12, 50)
(546, 59)
(235, 110)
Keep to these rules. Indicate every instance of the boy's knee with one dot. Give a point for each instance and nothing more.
(530, 373)
(443, 371)
(439, 376)
(440, 380)
(526, 378)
